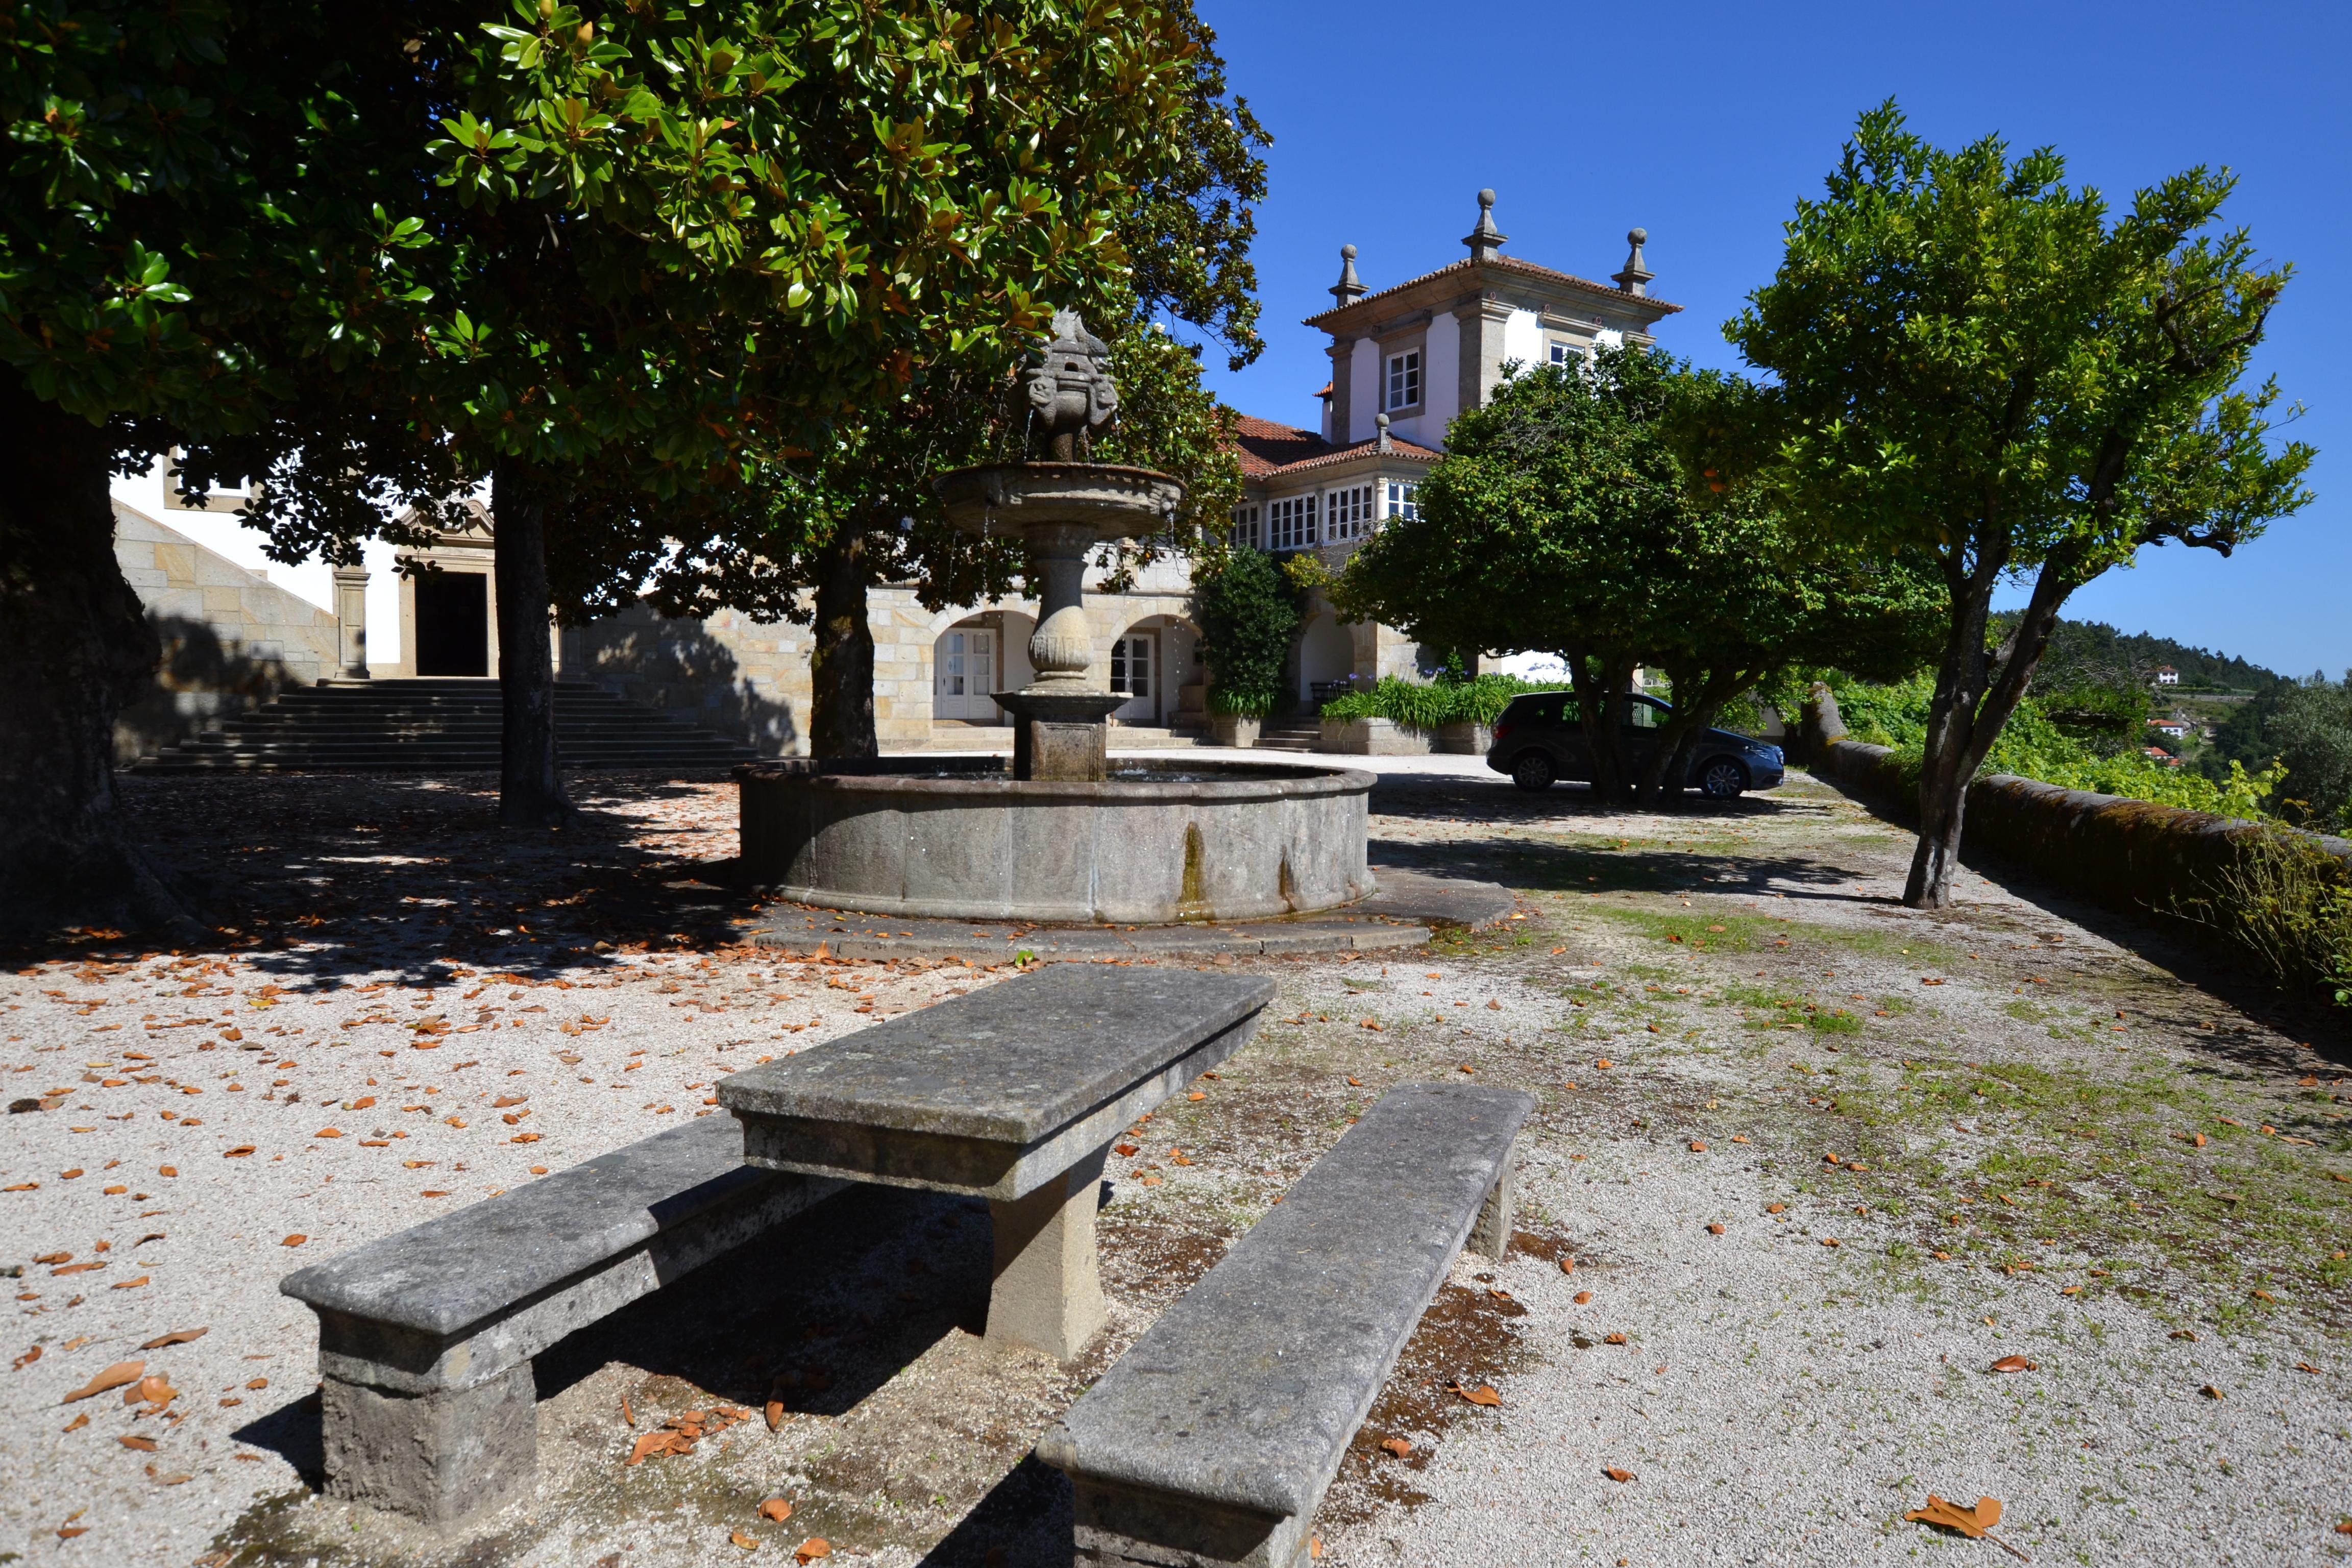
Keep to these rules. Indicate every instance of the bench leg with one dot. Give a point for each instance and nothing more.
(1492, 1234)
(445, 1458)
(1048, 1292)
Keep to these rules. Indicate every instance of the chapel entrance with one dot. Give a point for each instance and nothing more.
(453, 623)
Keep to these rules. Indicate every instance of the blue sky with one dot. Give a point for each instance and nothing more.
(1703, 123)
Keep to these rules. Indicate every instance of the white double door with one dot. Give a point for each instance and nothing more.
(964, 675)
(1134, 673)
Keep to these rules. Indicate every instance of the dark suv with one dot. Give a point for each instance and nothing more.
(1539, 740)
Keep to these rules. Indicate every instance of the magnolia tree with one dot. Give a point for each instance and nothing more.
(1563, 520)
(1976, 365)
(611, 264)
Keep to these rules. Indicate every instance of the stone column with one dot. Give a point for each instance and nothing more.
(1047, 1290)
(350, 621)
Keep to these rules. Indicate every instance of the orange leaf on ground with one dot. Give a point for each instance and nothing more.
(1582, 1297)
(815, 1547)
(775, 1511)
(665, 1442)
(745, 1542)
(775, 1414)
(239, 1153)
(628, 1416)
(1971, 1522)
(114, 1376)
(2014, 1364)
(1697, 1147)
(1483, 1395)
(28, 1359)
(1122, 1150)
(1614, 1474)
(1398, 1446)
(1567, 1266)
(144, 1445)
(176, 1337)
(297, 1239)
(1612, 1339)
(1715, 1229)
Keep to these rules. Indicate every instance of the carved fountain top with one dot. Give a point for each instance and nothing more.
(1071, 393)
(1072, 398)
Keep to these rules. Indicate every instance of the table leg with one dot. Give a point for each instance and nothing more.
(1047, 1291)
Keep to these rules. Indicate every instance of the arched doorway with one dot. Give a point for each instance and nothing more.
(1326, 657)
(1150, 663)
(965, 669)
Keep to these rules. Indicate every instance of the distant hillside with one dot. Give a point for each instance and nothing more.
(2094, 653)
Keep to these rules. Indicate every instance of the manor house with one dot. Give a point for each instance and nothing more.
(1405, 359)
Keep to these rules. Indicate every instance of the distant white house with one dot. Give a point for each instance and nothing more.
(2166, 676)
(2176, 729)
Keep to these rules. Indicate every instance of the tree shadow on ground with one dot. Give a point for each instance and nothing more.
(317, 877)
(679, 667)
(1026, 1520)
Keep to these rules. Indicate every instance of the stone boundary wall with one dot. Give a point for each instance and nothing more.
(232, 639)
(2132, 856)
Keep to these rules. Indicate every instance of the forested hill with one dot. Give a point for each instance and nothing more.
(2094, 652)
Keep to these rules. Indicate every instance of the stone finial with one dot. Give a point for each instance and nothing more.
(1486, 241)
(1349, 288)
(1635, 279)
(1383, 443)
(1071, 394)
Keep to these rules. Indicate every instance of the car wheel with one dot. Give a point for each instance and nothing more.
(1722, 779)
(1532, 772)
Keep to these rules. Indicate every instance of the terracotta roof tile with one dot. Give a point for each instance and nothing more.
(1268, 450)
(1501, 264)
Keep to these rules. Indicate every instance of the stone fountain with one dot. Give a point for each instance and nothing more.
(1063, 835)
(1063, 508)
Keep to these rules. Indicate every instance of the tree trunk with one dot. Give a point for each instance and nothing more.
(841, 665)
(74, 647)
(531, 790)
(1601, 683)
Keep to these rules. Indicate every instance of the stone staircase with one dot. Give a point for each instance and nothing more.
(437, 726)
(1291, 733)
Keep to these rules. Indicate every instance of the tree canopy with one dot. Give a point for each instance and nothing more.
(1972, 363)
(1563, 520)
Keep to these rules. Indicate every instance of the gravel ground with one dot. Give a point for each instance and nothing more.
(2057, 1139)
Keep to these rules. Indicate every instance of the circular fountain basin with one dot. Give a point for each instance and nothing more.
(959, 838)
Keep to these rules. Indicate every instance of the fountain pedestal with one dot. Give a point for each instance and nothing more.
(1062, 511)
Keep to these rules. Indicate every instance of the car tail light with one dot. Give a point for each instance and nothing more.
(1502, 729)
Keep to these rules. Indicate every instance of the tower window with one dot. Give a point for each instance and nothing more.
(1404, 380)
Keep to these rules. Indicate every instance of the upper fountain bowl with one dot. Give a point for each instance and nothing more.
(1114, 501)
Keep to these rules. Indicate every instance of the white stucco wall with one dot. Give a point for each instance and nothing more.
(1363, 389)
(1522, 339)
(1441, 379)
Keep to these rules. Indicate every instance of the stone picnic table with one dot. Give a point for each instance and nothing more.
(1012, 1095)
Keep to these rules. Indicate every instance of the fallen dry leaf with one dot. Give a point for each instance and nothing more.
(1612, 1339)
(1567, 1266)
(144, 1445)
(628, 1416)
(1972, 1522)
(1398, 1446)
(297, 1239)
(1715, 1229)
(1697, 1147)
(1483, 1395)
(1614, 1474)
(775, 1511)
(2209, 1392)
(815, 1547)
(2014, 1364)
(114, 1376)
(176, 1337)
(663, 1442)
(1582, 1297)
(739, 1538)
(1122, 1150)
(1776, 1208)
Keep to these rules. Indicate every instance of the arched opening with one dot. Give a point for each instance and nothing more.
(1326, 661)
(967, 667)
(1150, 664)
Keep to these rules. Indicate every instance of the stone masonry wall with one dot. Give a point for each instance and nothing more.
(232, 639)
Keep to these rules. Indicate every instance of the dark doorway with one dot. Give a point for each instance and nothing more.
(453, 623)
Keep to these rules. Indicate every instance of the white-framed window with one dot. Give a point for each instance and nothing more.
(1249, 525)
(1290, 522)
(1404, 380)
(1565, 352)
(1347, 514)
(1403, 501)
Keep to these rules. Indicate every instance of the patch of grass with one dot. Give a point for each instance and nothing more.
(1699, 933)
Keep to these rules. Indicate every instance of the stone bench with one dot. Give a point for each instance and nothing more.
(426, 1338)
(1012, 1094)
(1213, 1440)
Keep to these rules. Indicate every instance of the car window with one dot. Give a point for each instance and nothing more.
(1640, 715)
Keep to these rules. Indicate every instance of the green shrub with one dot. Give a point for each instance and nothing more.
(2286, 904)
(1247, 615)
(1448, 700)
(2032, 745)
